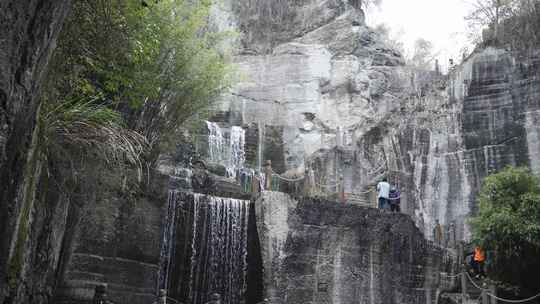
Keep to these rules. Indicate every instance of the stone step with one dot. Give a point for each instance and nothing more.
(360, 202)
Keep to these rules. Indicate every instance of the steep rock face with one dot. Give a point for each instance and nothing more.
(328, 75)
(323, 252)
(344, 104)
(322, 96)
(484, 121)
(29, 31)
(267, 24)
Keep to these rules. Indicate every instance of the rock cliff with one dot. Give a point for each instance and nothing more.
(324, 92)
(323, 252)
(28, 34)
(483, 121)
(317, 90)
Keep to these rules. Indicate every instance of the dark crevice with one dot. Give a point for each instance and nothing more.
(254, 293)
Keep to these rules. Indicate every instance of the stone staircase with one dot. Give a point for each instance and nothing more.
(472, 295)
(362, 199)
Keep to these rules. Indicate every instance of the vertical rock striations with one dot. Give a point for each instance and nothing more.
(28, 35)
(322, 252)
(345, 104)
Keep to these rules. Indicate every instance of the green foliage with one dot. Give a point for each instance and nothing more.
(509, 212)
(179, 55)
(508, 223)
(156, 64)
(85, 125)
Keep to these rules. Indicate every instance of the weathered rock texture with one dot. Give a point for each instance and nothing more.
(484, 121)
(116, 241)
(326, 80)
(28, 33)
(324, 252)
(324, 92)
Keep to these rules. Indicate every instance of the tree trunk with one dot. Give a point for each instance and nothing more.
(28, 32)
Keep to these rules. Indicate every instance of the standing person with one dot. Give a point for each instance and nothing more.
(383, 188)
(395, 199)
(478, 261)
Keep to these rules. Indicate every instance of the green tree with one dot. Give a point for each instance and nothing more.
(156, 63)
(125, 75)
(508, 225)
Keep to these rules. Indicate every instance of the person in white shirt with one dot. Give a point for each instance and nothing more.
(383, 188)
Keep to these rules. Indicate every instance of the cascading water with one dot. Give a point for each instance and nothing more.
(216, 142)
(233, 156)
(260, 146)
(238, 156)
(167, 240)
(206, 250)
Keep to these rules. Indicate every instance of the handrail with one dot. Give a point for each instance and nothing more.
(498, 298)
(327, 186)
(474, 284)
(174, 300)
(513, 301)
(288, 179)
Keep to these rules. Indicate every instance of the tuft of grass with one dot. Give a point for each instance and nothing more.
(88, 125)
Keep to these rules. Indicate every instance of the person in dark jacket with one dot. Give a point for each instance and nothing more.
(395, 199)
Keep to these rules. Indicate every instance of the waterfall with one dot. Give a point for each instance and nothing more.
(216, 142)
(237, 155)
(233, 156)
(260, 146)
(167, 240)
(206, 249)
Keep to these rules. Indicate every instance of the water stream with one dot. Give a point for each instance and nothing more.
(230, 151)
(216, 143)
(237, 157)
(205, 248)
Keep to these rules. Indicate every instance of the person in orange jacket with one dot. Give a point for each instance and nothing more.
(479, 259)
